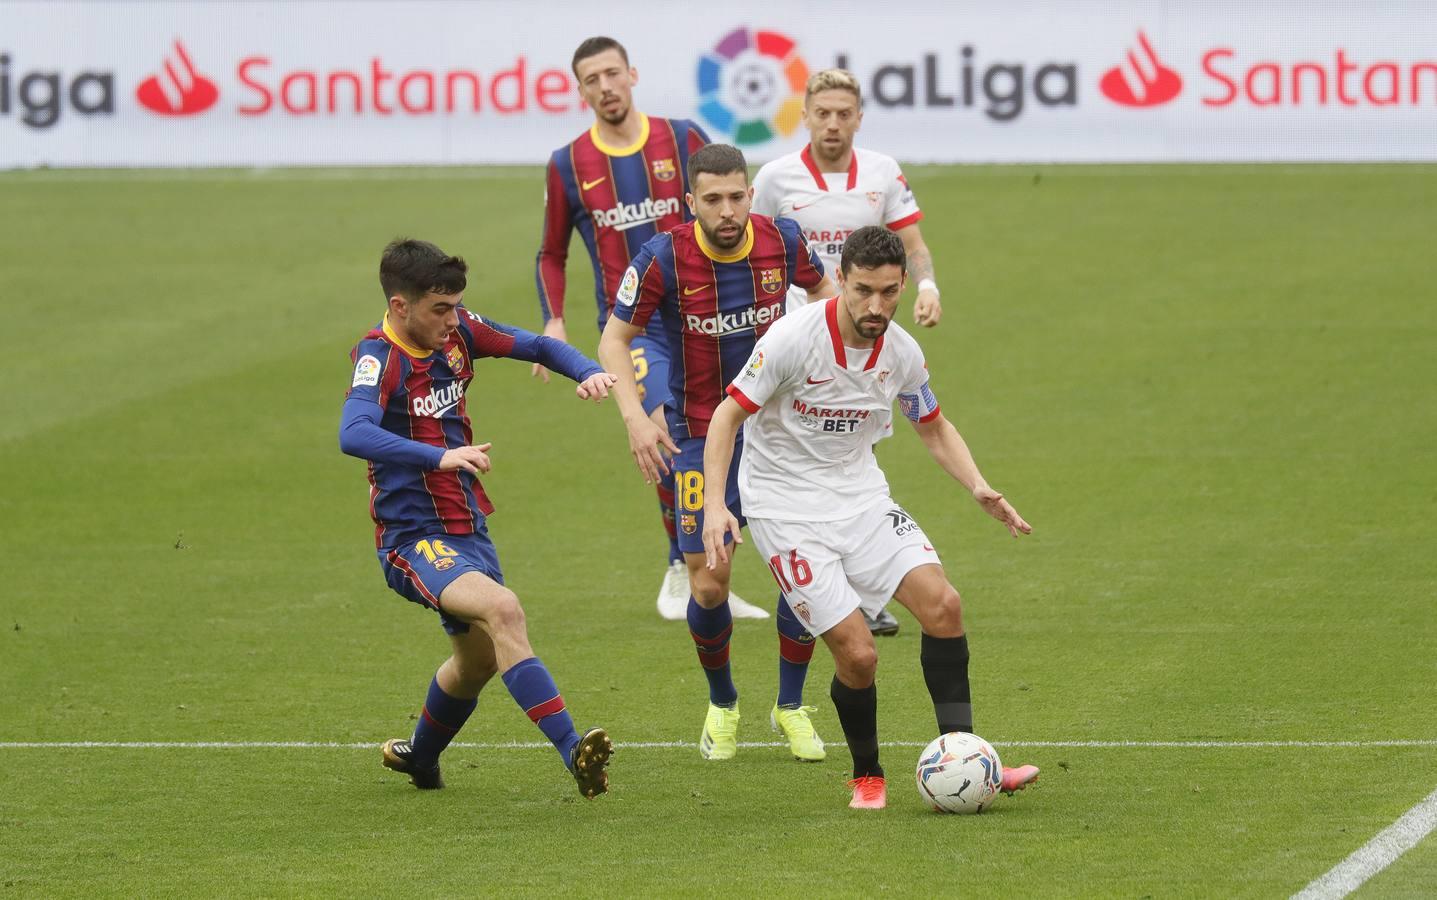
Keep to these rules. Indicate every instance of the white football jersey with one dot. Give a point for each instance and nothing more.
(818, 407)
(830, 206)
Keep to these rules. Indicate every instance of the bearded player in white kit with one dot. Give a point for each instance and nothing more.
(831, 188)
(816, 393)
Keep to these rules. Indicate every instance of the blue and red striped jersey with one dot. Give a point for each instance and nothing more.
(617, 198)
(714, 305)
(406, 406)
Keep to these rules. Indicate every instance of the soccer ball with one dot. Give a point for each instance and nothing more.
(959, 773)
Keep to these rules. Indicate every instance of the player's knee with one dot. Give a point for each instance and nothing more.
(857, 665)
(945, 614)
(709, 592)
(503, 614)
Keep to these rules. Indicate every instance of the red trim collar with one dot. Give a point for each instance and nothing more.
(807, 156)
(840, 355)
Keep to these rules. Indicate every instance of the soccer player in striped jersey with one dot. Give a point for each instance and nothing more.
(832, 188)
(618, 184)
(718, 283)
(405, 414)
(817, 391)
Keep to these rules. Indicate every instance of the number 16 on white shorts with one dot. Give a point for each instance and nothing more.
(829, 569)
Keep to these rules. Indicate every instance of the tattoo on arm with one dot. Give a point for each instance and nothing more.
(920, 264)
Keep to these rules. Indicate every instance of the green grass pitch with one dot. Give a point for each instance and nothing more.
(1210, 389)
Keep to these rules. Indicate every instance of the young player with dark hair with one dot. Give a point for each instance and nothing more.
(405, 414)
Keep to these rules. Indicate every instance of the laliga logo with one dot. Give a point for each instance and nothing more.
(177, 93)
(751, 86)
(1156, 83)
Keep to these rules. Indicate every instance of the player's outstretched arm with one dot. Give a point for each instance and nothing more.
(596, 387)
(361, 435)
(719, 522)
(647, 440)
(950, 451)
(554, 328)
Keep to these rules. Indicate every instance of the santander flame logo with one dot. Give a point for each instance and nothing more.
(1141, 81)
(180, 90)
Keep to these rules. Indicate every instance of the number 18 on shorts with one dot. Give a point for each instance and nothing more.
(829, 569)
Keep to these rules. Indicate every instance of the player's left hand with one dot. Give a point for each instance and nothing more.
(926, 309)
(596, 387)
(994, 505)
(718, 523)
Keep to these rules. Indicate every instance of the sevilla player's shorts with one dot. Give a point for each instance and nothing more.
(829, 569)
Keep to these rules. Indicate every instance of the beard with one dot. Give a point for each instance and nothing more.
(721, 242)
(871, 326)
(616, 117)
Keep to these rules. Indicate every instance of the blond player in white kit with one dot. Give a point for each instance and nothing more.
(832, 188)
(817, 391)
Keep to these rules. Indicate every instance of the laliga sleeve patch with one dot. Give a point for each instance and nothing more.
(755, 363)
(629, 287)
(366, 371)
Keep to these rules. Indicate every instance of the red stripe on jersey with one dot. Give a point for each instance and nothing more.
(906, 221)
(703, 376)
(663, 145)
(931, 416)
(769, 251)
(807, 156)
(444, 488)
(696, 143)
(742, 399)
(830, 315)
(547, 708)
(594, 178)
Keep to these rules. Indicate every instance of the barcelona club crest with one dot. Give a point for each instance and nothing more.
(455, 357)
(771, 280)
(689, 523)
(664, 169)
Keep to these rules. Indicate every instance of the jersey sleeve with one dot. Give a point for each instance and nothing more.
(642, 290)
(803, 263)
(553, 245)
(770, 367)
(487, 338)
(915, 397)
(900, 208)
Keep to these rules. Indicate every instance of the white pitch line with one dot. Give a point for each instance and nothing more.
(1375, 855)
(669, 745)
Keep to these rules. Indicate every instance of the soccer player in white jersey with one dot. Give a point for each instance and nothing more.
(816, 392)
(833, 188)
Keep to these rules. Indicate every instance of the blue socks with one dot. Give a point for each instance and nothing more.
(711, 630)
(795, 649)
(440, 719)
(534, 690)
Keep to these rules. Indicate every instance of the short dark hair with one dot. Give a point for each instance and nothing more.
(411, 269)
(873, 246)
(593, 47)
(716, 159)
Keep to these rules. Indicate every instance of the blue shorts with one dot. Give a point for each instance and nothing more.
(651, 370)
(421, 570)
(688, 469)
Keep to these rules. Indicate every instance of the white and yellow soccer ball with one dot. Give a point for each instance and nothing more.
(959, 773)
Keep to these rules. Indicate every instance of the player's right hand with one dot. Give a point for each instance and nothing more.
(553, 328)
(473, 459)
(719, 523)
(648, 443)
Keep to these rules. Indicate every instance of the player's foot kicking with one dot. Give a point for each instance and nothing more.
(795, 725)
(397, 754)
(869, 792)
(1017, 778)
(720, 737)
(882, 624)
(590, 762)
(740, 608)
(673, 600)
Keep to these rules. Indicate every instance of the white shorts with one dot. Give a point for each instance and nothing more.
(829, 569)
